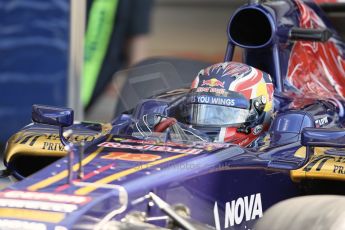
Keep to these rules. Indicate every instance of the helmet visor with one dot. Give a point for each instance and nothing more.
(216, 115)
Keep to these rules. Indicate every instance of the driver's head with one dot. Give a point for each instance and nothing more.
(231, 100)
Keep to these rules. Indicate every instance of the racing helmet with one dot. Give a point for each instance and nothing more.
(231, 101)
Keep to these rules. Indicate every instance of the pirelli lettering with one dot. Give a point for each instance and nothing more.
(53, 146)
(41, 144)
(324, 165)
(339, 169)
(32, 138)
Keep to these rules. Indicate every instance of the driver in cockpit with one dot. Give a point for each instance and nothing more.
(228, 102)
(231, 101)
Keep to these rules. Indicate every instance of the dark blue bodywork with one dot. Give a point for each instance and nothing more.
(222, 185)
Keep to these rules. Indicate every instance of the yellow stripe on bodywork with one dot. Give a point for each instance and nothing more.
(333, 167)
(34, 215)
(301, 152)
(108, 179)
(45, 143)
(64, 174)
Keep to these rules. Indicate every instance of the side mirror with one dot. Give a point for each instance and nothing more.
(52, 115)
(288, 126)
(57, 116)
(318, 137)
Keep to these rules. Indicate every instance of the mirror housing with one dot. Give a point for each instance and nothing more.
(318, 137)
(287, 127)
(62, 117)
(57, 116)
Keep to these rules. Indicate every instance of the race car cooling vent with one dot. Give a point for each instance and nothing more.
(250, 28)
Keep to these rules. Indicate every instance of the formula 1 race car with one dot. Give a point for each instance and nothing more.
(215, 155)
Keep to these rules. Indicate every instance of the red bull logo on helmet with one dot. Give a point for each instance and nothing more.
(213, 83)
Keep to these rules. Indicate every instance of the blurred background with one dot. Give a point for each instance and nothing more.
(191, 28)
(42, 49)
